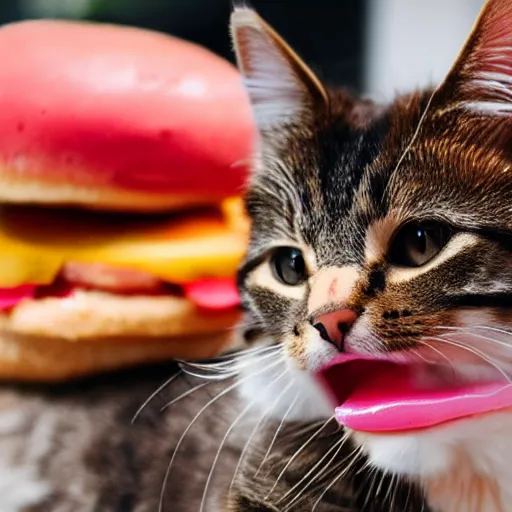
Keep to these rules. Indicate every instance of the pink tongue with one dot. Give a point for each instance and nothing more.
(386, 399)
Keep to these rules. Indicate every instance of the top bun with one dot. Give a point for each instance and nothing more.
(118, 118)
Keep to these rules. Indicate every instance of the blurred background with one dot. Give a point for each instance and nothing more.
(378, 47)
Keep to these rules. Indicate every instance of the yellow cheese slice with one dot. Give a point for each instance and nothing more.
(36, 242)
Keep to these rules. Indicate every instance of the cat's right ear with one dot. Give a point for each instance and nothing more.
(282, 89)
(480, 81)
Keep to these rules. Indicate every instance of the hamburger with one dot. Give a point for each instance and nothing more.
(122, 153)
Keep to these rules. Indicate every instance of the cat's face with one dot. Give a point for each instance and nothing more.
(385, 234)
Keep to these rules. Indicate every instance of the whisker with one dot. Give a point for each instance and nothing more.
(423, 358)
(196, 417)
(304, 430)
(408, 497)
(336, 447)
(227, 434)
(153, 395)
(475, 352)
(184, 395)
(496, 329)
(356, 453)
(296, 454)
(327, 468)
(257, 428)
(230, 359)
(437, 351)
(372, 475)
(381, 482)
(274, 438)
(391, 492)
(482, 337)
(365, 466)
(226, 376)
(245, 351)
(231, 367)
(412, 140)
(231, 373)
(485, 327)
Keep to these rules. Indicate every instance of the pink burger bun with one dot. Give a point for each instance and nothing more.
(119, 118)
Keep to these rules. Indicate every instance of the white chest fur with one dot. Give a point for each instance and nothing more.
(463, 467)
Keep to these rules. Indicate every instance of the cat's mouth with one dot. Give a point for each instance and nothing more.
(378, 395)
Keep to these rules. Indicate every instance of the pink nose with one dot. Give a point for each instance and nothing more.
(334, 326)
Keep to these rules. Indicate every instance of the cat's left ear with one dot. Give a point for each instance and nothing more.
(282, 89)
(481, 78)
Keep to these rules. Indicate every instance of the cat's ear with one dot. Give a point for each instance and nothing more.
(481, 78)
(282, 89)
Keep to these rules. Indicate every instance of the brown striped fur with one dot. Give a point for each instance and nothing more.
(338, 178)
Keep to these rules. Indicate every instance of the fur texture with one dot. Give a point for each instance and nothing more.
(73, 448)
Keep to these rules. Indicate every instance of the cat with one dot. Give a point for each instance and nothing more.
(379, 232)
(381, 240)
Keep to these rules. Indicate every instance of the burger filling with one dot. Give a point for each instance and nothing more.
(55, 252)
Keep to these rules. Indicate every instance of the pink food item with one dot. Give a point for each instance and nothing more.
(213, 294)
(375, 395)
(9, 297)
(118, 118)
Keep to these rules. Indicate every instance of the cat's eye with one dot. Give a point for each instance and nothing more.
(417, 243)
(288, 266)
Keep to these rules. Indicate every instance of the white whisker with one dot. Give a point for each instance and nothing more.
(233, 372)
(231, 359)
(274, 438)
(153, 395)
(183, 395)
(196, 417)
(296, 454)
(489, 328)
(226, 376)
(391, 492)
(257, 428)
(467, 329)
(475, 352)
(251, 404)
(437, 351)
(355, 454)
(373, 475)
(232, 366)
(336, 447)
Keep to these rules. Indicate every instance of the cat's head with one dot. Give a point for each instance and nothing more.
(381, 236)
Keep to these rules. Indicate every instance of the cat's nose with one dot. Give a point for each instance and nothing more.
(334, 326)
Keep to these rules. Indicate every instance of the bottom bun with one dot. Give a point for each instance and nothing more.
(90, 332)
(38, 359)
